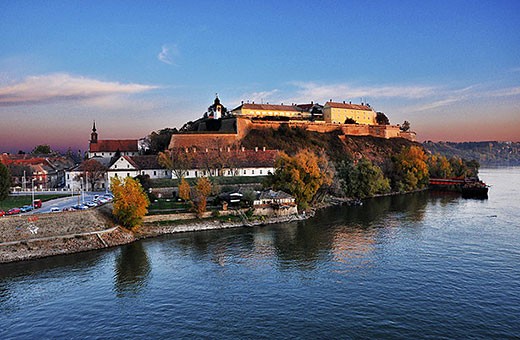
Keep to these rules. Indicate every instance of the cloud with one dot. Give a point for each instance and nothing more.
(167, 54)
(260, 97)
(512, 91)
(60, 87)
(312, 91)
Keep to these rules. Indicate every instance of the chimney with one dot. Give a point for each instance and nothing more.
(343, 102)
(228, 149)
(256, 148)
(253, 101)
(263, 149)
(220, 149)
(350, 102)
(243, 149)
(194, 149)
(186, 149)
(206, 150)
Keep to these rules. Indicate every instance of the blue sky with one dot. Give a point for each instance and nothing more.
(452, 68)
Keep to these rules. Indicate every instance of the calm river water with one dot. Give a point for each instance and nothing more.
(415, 266)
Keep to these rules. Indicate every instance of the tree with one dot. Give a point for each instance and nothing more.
(43, 149)
(362, 180)
(130, 201)
(382, 119)
(158, 141)
(184, 190)
(301, 175)
(179, 161)
(5, 182)
(406, 126)
(439, 167)
(410, 169)
(92, 172)
(202, 191)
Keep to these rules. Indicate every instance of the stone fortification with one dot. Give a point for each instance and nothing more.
(225, 137)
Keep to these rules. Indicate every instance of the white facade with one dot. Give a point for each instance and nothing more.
(124, 168)
(111, 154)
(242, 172)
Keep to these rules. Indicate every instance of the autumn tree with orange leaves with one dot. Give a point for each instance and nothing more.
(410, 169)
(184, 190)
(130, 201)
(202, 191)
(302, 175)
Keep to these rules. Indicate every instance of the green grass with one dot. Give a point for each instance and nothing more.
(18, 201)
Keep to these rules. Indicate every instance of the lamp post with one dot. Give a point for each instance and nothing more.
(32, 202)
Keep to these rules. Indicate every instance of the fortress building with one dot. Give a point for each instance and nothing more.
(338, 113)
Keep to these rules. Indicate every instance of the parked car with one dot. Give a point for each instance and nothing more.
(68, 209)
(91, 204)
(26, 208)
(2, 213)
(80, 207)
(13, 211)
(54, 209)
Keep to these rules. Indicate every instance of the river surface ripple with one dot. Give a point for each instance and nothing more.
(426, 265)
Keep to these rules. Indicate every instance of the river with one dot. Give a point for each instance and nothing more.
(423, 265)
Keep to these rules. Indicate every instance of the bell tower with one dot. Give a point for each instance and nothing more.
(93, 135)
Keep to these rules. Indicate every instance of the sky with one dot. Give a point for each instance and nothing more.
(451, 68)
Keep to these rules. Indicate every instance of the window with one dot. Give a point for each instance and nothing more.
(127, 174)
(155, 173)
(68, 176)
(260, 172)
(245, 171)
(252, 172)
(229, 172)
(196, 173)
(115, 166)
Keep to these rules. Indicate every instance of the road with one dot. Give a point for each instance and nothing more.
(63, 202)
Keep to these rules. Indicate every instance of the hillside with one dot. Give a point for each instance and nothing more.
(490, 153)
(336, 145)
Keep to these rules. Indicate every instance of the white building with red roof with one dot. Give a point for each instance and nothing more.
(108, 148)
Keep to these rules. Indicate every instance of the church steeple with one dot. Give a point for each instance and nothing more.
(93, 135)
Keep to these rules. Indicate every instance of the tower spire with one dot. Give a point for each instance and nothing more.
(93, 135)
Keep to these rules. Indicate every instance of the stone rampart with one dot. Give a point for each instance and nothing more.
(244, 125)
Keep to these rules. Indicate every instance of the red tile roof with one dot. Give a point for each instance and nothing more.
(268, 107)
(236, 159)
(348, 106)
(113, 145)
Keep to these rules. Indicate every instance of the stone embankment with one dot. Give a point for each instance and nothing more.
(30, 237)
(156, 229)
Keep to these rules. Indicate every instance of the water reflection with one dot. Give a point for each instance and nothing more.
(132, 269)
(347, 234)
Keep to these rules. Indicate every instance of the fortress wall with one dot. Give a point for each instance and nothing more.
(203, 140)
(244, 125)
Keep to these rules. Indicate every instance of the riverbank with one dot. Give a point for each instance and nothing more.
(26, 237)
(31, 237)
